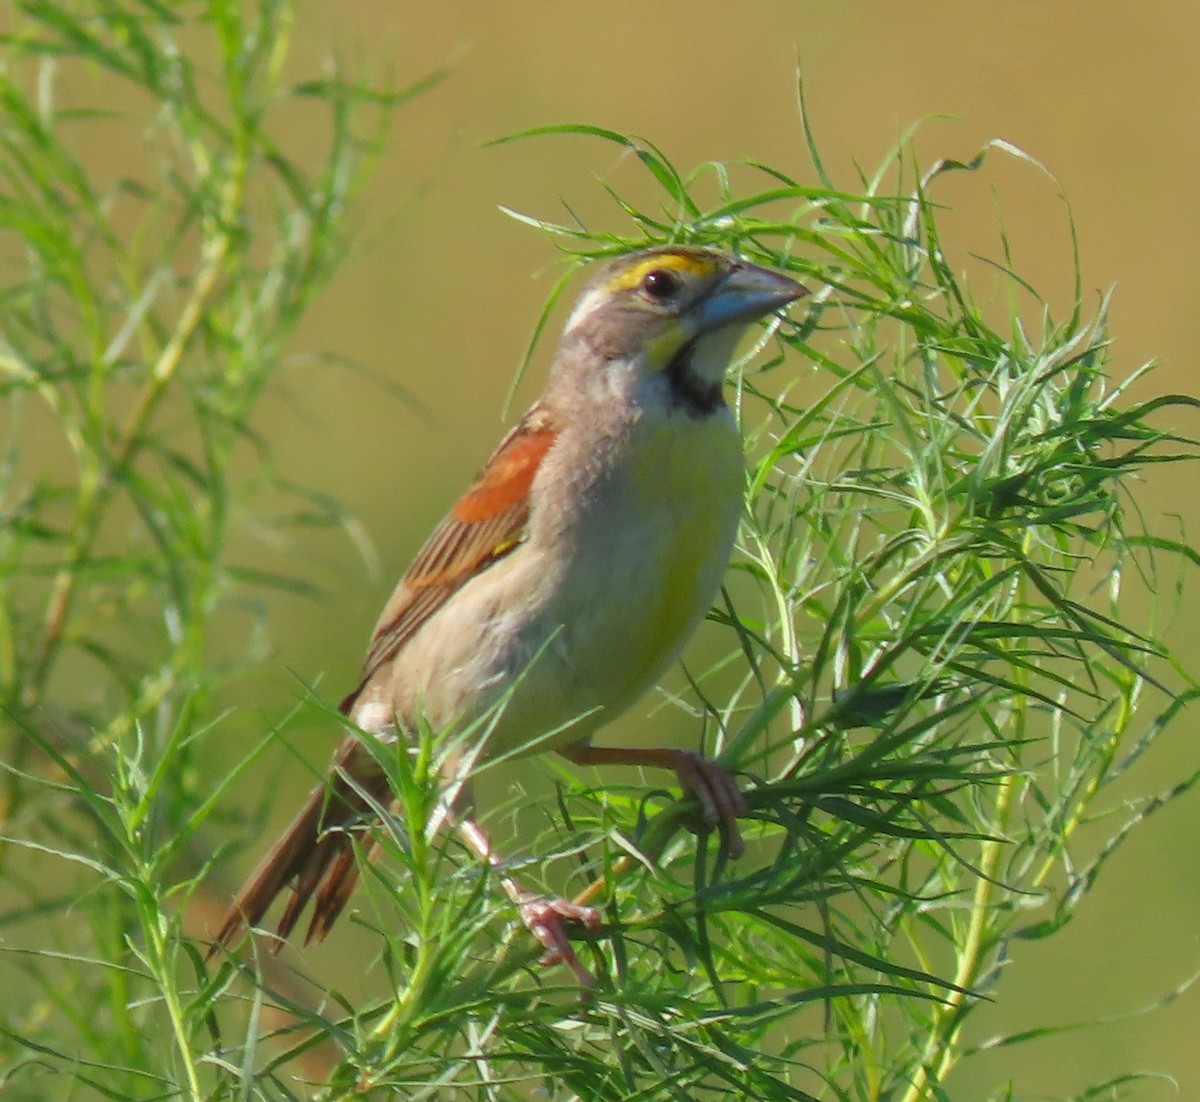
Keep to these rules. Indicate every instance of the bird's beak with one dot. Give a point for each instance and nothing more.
(748, 292)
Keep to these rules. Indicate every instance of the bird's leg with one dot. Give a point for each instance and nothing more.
(713, 786)
(542, 917)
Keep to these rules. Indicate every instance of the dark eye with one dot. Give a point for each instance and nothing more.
(660, 284)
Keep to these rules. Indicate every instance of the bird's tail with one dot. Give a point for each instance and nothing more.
(316, 855)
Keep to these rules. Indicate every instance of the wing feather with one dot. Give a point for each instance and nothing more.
(317, 856)
(486, 524)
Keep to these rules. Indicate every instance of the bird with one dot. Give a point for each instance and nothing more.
(560, 587)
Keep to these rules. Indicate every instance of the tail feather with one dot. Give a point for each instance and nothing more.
(315, 857)
(340, 883)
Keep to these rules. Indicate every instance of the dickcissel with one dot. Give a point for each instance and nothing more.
(563, 583)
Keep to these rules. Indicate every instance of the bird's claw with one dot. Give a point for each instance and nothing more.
(544, 919)
(716, 791)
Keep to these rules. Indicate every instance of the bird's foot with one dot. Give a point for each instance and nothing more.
(716, 790)
(544, 919)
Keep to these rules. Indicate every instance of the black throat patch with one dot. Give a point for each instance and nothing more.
(694, 397)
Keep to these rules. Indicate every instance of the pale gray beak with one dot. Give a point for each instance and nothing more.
(748, 292)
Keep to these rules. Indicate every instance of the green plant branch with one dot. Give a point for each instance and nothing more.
(942, 1048)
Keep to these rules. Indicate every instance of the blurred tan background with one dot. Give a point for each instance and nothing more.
(442, 302)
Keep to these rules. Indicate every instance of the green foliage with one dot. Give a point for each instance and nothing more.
(147, 300)
(934, 683)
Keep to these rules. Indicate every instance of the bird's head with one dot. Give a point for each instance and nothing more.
(676, 313)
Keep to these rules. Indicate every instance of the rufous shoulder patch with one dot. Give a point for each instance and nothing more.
(505, 482)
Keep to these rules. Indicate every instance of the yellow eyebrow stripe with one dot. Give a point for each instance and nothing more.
(680, 262)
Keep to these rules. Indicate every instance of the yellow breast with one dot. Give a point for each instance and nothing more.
(682, 502)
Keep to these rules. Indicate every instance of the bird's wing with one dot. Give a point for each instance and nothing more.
(486, 524)
(316, 855)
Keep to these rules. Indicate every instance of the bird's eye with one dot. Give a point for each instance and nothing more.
(660, 284)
